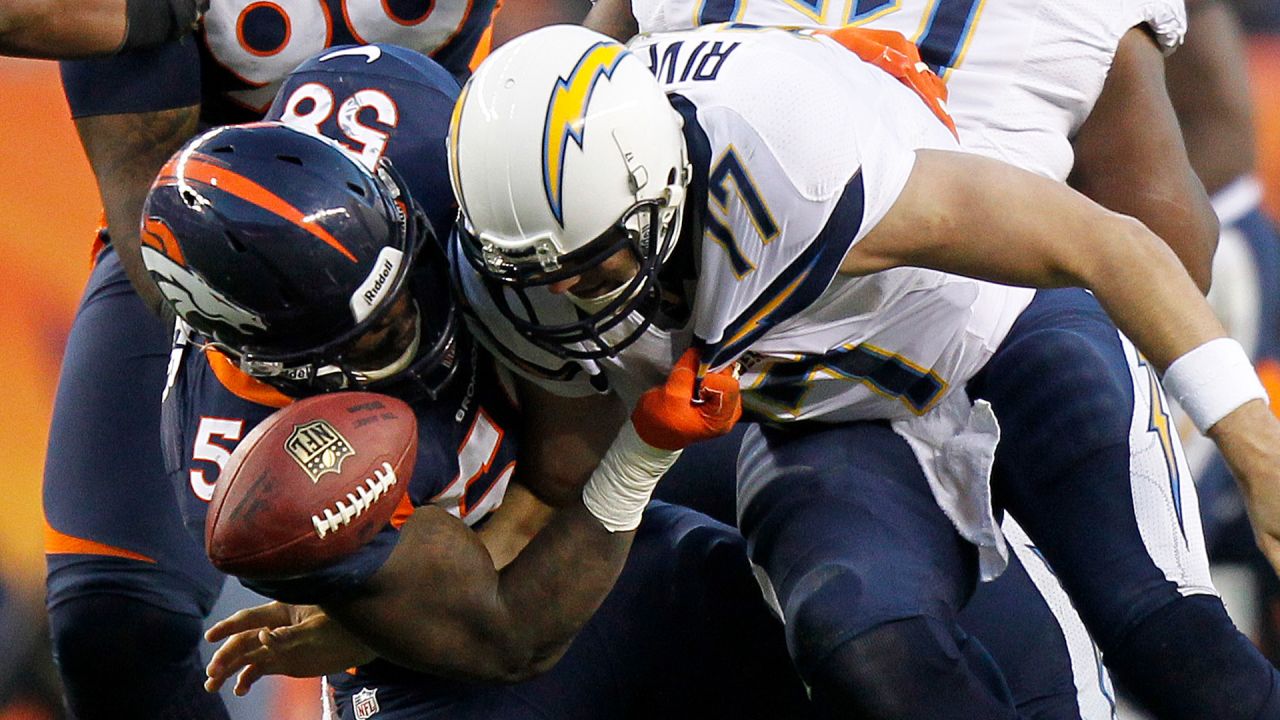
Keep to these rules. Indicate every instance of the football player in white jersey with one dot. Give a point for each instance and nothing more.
(1023, 78)
(1057, 88)
(768, 204)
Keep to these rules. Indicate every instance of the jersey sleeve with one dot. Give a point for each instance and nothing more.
(139, 81)
(1167, 20)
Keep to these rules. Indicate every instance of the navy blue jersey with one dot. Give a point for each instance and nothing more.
(376, 100)
(466, 450)
(244, 48)
(365, 95)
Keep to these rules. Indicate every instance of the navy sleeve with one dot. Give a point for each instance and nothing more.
(160, 78)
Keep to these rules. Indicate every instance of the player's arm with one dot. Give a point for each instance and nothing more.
(126, 151)
(1130, 157)
(303, 641)
(613, 18)
(63, 29)
(515, 19)
(1210, 92)
(132, 111)
(974, 216)
(563, 439)
(439, 606)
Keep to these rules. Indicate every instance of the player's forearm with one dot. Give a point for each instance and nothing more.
(613, 18)
(62, 30)
(126, 152)
(438, 605)
(1146, 291)
(555, 585)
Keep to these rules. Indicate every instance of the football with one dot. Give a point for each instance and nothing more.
(311, 484)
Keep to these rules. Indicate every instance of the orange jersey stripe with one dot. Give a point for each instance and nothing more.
(402, 513)
(1269, 372)
(59, 543)
(99, 241)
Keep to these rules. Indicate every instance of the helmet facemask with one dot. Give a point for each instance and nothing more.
(649, 229)
(564, 150)
(424, 364)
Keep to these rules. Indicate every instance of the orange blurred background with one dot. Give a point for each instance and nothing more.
(48, 211)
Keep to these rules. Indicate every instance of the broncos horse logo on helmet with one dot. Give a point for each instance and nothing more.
(285, 251)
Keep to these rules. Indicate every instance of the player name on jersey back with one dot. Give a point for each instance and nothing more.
(1023, 74)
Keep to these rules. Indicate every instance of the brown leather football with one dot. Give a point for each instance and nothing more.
(311, 484)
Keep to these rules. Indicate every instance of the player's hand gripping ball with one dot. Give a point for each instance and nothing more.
(311, 484)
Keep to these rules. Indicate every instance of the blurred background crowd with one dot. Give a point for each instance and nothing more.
(49, 210)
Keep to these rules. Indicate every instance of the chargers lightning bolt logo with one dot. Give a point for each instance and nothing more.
(565, 112)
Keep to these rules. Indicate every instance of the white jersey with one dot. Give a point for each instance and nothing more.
(788, 182)
(1022, 74)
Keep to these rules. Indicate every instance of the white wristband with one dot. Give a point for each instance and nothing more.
(621, 486)
(1213, 380)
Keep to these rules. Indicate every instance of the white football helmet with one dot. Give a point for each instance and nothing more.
(563, 150)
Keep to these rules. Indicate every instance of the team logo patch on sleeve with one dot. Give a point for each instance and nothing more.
(318, 448)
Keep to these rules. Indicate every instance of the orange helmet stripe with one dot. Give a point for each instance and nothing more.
(209, 173)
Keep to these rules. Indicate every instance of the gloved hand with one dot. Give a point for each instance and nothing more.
(671, 417)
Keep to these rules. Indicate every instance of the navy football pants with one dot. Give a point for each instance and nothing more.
(127, 586)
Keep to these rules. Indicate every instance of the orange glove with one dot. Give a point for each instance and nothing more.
(670, 417)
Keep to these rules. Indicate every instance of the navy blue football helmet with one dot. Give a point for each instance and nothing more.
(312, 271)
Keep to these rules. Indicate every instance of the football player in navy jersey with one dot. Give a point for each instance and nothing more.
(278, 313)
(119, 566)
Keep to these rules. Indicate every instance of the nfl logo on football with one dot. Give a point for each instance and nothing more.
(365, 703)
(318, 448)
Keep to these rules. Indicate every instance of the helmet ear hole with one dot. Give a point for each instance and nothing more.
(357, 189)
(671, 176)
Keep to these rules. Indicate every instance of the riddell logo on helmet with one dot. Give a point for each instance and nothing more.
(371, 292)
